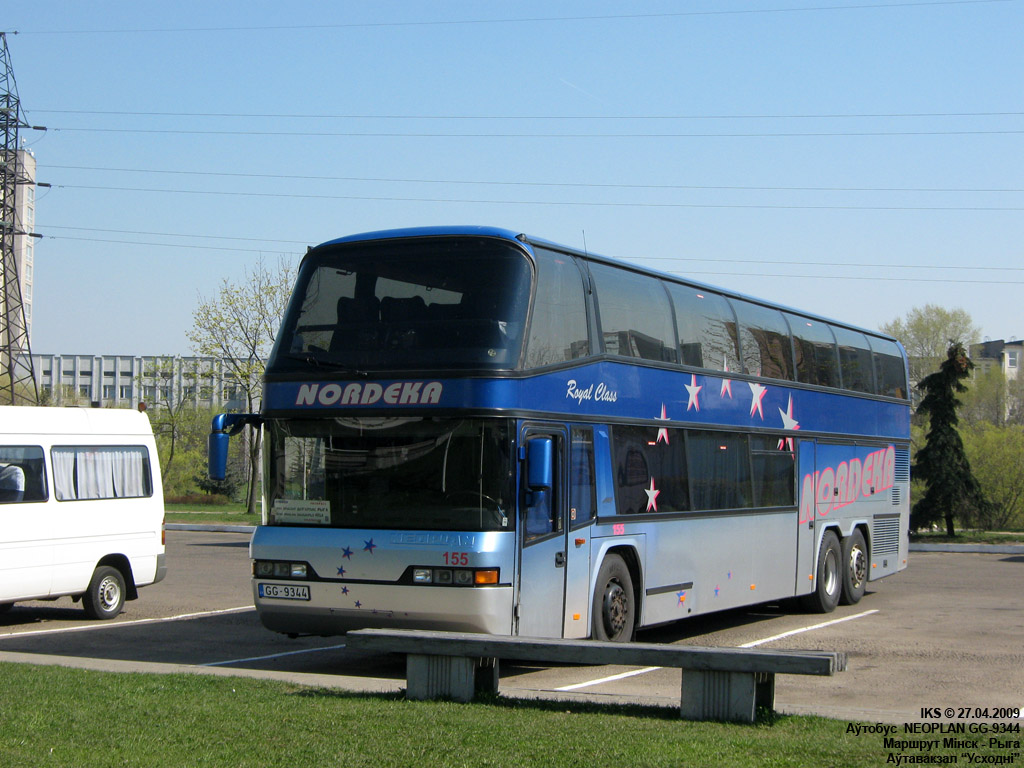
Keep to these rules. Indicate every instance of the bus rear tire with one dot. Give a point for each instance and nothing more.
(855, 568)
(105, 597)
(614, 609)
(828, 577)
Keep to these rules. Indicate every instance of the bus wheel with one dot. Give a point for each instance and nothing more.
(828, 578)
(613, 611)
(105, 597)
(855, 568)
(5, 607)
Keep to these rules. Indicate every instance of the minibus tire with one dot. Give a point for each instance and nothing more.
(614, 606)
(828, 581)
(105, 597)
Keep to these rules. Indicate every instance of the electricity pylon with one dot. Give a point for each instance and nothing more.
(17, 377)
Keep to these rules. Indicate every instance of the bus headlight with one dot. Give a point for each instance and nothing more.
(422, 576)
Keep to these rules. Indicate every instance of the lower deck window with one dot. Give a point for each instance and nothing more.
(678, 470)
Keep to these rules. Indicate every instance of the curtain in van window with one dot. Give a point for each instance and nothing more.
(64, 474)
(127, 467)
(94, 474)
(100, 472)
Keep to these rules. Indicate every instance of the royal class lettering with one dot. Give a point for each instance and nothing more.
(371, 393)
(836, 487)
(597, 392)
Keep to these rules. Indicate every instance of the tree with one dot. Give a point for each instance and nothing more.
(927, 331)
(239, 326)
(952, 490)
(997, 458)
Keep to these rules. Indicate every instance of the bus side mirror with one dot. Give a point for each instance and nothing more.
(540, 464)
(224, 425)
(217, 446)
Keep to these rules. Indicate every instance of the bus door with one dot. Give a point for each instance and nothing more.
(806, 557)
(542, 531)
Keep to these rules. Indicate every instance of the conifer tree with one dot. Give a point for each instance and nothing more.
(952, 490)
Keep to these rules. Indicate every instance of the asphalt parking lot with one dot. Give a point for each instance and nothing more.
(944, 633)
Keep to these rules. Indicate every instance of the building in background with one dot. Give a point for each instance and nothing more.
(124, 381)
(24, 243)
(1004, 355)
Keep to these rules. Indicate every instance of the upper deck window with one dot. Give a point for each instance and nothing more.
(636, 318)
(558, 330)
(816, 358)
(707, 329)
(764, 341)
(428, 303)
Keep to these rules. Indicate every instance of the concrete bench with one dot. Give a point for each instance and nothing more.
(718, 683)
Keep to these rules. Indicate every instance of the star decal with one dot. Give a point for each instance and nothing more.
(717, 590)
(652, 497)
(663, 431)
(358, 604)
(694, 391)
(341, 570)
(788, 422)
(369, 546)
(757, 392)
(726, 383)
(344, 590)
(682, 596)
(347, 553)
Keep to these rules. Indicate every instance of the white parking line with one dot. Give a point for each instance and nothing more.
(271, 656)
(635, 672)
(752, 644)
(135, 623)
(756, 643)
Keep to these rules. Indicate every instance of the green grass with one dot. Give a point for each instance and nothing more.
(53, 716)
(968, 537)
(226, 514)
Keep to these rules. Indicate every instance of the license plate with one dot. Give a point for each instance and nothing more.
(284, 591)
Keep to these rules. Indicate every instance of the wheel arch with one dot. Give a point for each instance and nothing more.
(124, 565)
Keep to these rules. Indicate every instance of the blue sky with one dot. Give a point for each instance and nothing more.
(852, 159)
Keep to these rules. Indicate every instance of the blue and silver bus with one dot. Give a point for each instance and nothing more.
(471, 429)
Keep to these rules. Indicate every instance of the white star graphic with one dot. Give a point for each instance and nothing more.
(756, 396)
(663, 431)
(694, 390)
(652, 497)
(726, 383)
(788, 422)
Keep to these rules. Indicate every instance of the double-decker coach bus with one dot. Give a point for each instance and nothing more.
(476, 430)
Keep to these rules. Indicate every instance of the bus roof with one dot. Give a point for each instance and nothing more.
(523, 239)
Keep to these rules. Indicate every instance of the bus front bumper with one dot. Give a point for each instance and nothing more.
(333, 608)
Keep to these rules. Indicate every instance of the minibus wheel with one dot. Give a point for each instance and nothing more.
(105, 597)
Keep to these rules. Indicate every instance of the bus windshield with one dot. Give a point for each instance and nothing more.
(390, 473)
(437, 303)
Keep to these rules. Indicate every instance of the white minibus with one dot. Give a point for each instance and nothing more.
(81, 507)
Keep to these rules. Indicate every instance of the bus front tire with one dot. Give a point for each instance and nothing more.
(614, 608)
(105, 596)
(828, 577)
(855, 568)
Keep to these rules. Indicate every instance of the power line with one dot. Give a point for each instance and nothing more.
(570, 185)
(534, 19)
(466, 135)
(824, 116)
(370, 198)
